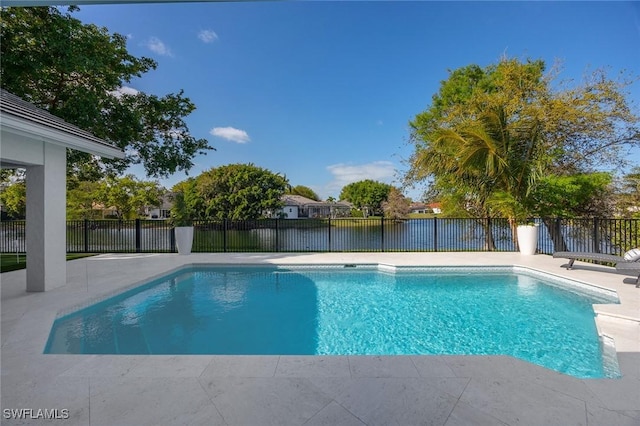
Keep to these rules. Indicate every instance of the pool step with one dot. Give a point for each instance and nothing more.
(617, 311)
(625, 332)
(135, 337)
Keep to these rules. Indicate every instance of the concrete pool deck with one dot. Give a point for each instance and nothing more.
(297, 390)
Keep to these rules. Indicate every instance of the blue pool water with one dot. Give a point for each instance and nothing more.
(360, 311)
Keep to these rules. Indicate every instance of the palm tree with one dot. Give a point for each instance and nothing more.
(496, 158)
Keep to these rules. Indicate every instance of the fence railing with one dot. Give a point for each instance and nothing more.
(613, 236)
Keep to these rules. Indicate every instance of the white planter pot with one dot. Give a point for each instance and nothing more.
(528, 239)
(184, 239)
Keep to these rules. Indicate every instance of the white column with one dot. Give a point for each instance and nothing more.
(46, 221)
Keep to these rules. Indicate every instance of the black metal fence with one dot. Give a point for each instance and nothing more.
(614, 236)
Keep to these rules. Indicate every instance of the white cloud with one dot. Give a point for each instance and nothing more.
(207, 36)
(124, 90)
(378, 170)
(230, 133)
(156, 45)
(344, 174)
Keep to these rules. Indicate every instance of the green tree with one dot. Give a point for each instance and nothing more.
(193, 202)
(181, 212)
(578, 195)
(627, 206)
(492, 133)
(82, 197)
(240, 191)
(129, 196)
(77, 72)
(303, 191)
(397, 206)
(575, 196)
(14, 199)
(628, 198)
(366, 195)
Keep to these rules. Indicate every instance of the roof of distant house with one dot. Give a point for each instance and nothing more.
(296, 200)
(299, 200)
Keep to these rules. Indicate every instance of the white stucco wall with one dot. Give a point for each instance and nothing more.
(291, 212)
(46, 220)
(20, 149)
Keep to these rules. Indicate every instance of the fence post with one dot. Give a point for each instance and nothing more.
(277, 232)
(138, 237)
(224, 235)
(435, 233)
(86, 235)
(596, 236)
(329, 230)
(172, 240)
(382, 233)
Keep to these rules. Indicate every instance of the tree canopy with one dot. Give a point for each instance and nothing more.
(14, 199)
(234, 191)
(129, 195)
(303, 191)
(86, 199)
(82, 198)
(628, 202)
(496, 138)
(578, 195)
(397, 206)
(78, 72)
(366, 194)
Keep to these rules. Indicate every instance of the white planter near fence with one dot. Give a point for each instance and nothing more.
(528, 239)
(184, 239)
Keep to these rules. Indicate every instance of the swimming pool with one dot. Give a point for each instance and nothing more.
(348, 310)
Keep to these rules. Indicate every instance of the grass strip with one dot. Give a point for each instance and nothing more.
(13, 262)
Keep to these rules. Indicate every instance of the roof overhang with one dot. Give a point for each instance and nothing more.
(27, 128)
(30, 123)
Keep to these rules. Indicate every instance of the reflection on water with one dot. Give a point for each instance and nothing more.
(221, 311)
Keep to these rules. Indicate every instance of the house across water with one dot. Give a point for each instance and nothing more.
(297, 206)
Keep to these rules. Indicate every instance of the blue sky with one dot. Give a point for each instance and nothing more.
(322, 92)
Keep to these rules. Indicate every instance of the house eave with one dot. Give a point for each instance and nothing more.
(20, 126)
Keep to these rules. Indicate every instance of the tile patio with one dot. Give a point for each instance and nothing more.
(303, 390)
